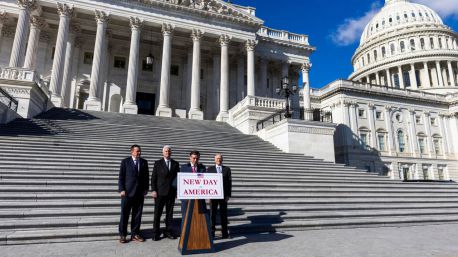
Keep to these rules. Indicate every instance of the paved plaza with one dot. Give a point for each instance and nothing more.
(414, 241)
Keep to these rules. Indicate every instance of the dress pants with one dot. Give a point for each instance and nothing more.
(161, 201)
(134, 205)
(223, 211)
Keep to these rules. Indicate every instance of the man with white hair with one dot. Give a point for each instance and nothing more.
(163, 187)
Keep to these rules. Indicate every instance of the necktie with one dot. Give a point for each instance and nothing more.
(193, 169)
(136, 166)
(219, 169)
(168, 164)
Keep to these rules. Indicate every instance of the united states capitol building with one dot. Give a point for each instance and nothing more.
(396, 115)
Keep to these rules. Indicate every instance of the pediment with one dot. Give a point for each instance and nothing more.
(216, 8)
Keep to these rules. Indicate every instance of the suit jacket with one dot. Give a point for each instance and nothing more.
(130, 180)
(227, 179)
(187, 168)
(163, 179)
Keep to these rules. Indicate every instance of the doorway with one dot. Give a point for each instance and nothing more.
(146, 103)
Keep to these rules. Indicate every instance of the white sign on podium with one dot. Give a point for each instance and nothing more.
(199, 186)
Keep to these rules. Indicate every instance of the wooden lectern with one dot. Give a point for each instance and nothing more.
(196, 234)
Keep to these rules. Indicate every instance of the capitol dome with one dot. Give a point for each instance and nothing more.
(407, 45)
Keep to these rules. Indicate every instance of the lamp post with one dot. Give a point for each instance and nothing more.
(150, 57)
(286, 91)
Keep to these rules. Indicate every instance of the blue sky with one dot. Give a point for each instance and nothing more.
(334, 27)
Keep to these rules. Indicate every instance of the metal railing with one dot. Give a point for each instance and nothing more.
(8, 100)
(270, 120)
(322, 116)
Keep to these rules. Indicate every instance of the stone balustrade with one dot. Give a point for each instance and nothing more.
(283, 35)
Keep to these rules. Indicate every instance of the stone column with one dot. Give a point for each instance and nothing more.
(389, 130)
(66, 79)
(241, 93)
(250, 46)
(104, 79)
(439, 74)
(451, 74)
(368, 79)
(427, 119)
(73, 79)
(37, 24)
(263, 77)
(401, 77)
(372, 127)
(444, 132)
(163, 108)
(55, 85)
(377, 78)
(388, 78)
(413, 77)
(130, 105)
(308, 111)
(22, 28)
(93, 102)
(413, 132)
(224, 85)
(195, 112)
(426, 75)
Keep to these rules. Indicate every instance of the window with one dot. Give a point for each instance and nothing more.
(361, 113)
(175, 70)
(383, 52)
(398, 117)
(88, 56)
(396, 81)
(426, 172)
(368, 58)
(401, 142)
(381, 142)
(412, 45)
(406, 76)
(375, 55)
(403, 47)
(437, 145)
(363, 136)
(441, 172)
(422, 43)
(440, 43)
(431, 42)
(433, 121)
(119, 62)
(378, 115)
(421, 144)
(146, 67)
(392, 49)
(418, 119)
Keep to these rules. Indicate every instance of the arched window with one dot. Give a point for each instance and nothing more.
(440, 43)
(392, 49)
(383, 52)
(368, 58)
(431, 42)
(422, 143)
(412, 45)
(401, 141)
(375, 55)
(403, 47)
(422, 43)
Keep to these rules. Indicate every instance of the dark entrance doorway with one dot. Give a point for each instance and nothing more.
(146, 103)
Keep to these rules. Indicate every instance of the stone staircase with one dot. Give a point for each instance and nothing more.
(58, 180)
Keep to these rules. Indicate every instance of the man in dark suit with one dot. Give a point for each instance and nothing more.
(227, 188)
(163, 187)
(193, 166)
(133, 185)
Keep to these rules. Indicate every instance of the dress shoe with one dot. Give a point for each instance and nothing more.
(156, 238)
(123, 240)
(169, 236)
(137, 238)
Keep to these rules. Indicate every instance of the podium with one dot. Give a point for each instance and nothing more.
(196, 234)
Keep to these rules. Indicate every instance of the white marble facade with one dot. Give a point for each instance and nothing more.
(398, 112)
(208, 54)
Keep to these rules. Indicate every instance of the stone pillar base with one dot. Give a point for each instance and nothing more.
(93, 105)
(222, 116)
(130, 108)
(57, 101)
(308, 114)
(195, 115)
(164, 112)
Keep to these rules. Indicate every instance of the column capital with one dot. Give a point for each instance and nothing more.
(427, 114)
(196, 34)
(167, 29)
(306, 66)
(27, 4)
(38, 22)
(65, 10)
(224, 40)
(371, 106)
(4, 17)
(388, 108)
(412, 111)
(135, 23)
(251, 44)
(102, 16)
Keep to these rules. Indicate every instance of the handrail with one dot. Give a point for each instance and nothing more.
(8, 100)
(280, 115)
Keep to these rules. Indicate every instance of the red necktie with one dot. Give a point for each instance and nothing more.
(193, 169)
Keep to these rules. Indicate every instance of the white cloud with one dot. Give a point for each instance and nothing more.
(350, 31)
(445, 8)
